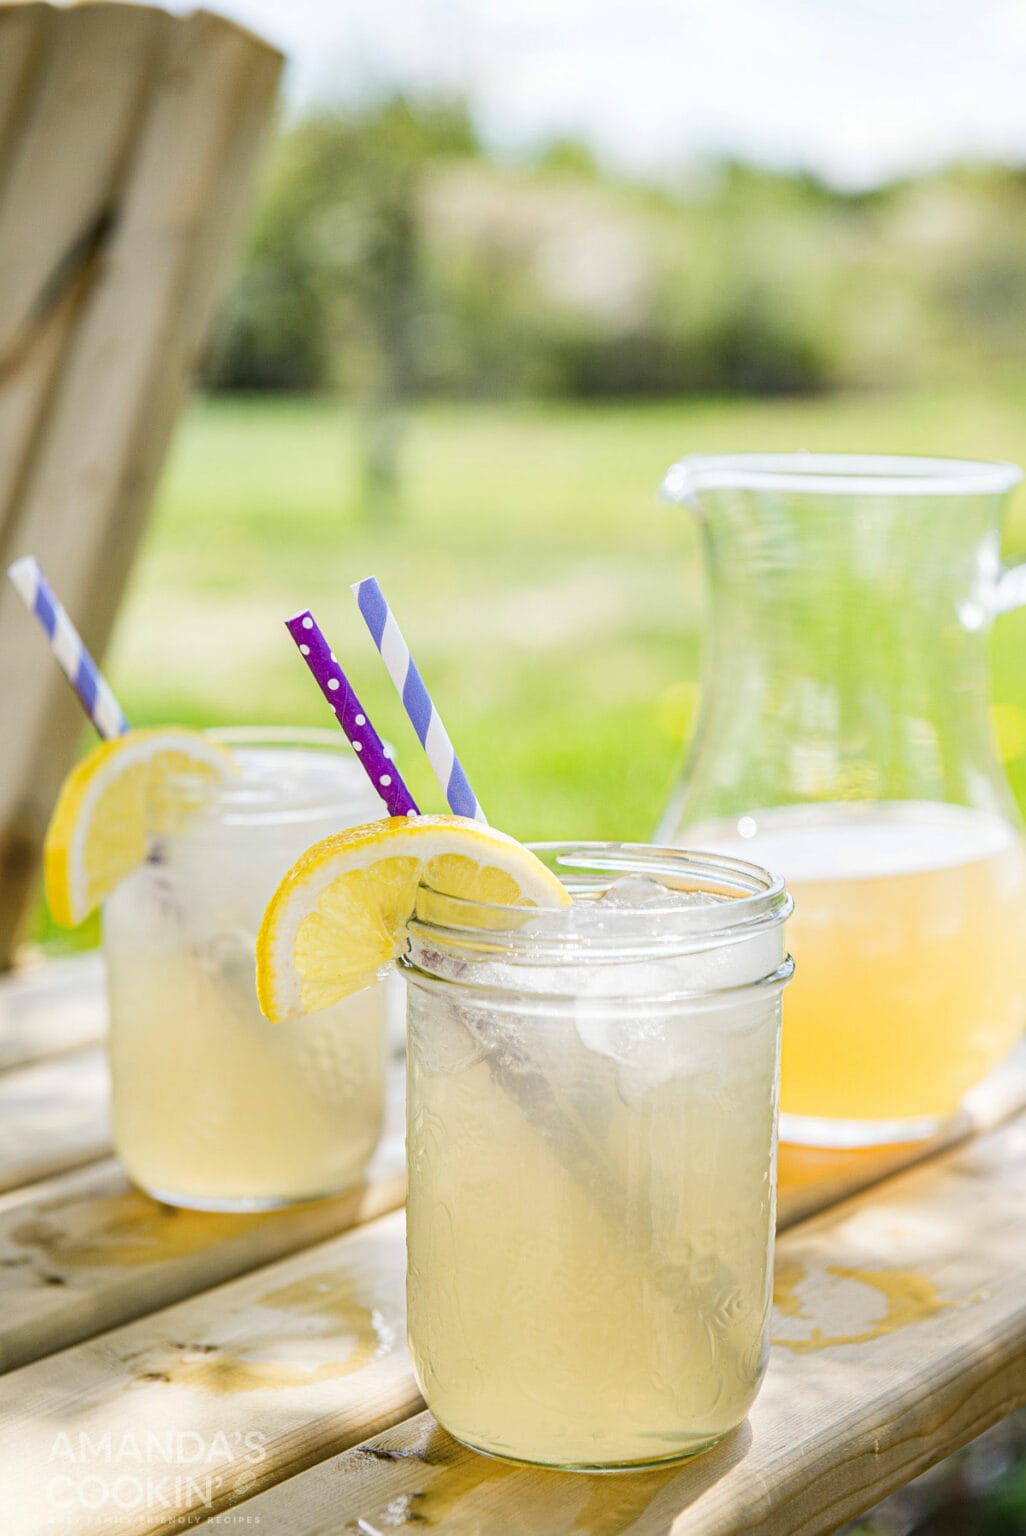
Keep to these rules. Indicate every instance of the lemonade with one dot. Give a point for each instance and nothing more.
(213, 1106)
(908, 937)
(591, 1142)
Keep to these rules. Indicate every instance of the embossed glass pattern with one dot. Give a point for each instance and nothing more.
(591, 1142)
(213, 1107)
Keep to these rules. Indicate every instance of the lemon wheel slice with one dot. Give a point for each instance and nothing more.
(97, 833)
(336, 920)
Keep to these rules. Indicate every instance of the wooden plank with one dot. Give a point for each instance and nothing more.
(50, 1007)
(67, 154)
(899, 1333)
(62, 156)
(223, 1394)
(26, 380)
(87, 1251)
(24, 33)
(122, 372)
(53, 1116)
(63, 144)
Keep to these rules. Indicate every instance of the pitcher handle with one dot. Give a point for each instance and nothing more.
(1010, 589)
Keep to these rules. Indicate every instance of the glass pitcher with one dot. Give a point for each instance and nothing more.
(844, 741)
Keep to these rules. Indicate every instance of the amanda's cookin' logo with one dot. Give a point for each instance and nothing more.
(177, 1470)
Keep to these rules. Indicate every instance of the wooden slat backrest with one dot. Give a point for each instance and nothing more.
(127, 142)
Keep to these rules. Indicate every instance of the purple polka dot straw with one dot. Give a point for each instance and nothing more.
(351, 716)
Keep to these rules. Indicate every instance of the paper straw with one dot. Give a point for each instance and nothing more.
(409, 685)
(336, 688)
(94, 692)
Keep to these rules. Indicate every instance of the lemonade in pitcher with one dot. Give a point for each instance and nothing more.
(909, 935)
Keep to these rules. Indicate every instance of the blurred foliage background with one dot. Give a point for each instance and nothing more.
(390, 254)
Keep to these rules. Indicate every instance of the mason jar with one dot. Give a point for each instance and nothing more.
(212, 1106)
(591, 1140)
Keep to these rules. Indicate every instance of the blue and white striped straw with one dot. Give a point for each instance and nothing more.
(94, 692)
(409, 685)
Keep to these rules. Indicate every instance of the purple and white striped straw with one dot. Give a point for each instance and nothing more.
(409, 685)
(94, 692)
(351, 716)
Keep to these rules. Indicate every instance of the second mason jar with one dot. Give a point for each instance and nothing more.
(213, 1107)
(591, 1141)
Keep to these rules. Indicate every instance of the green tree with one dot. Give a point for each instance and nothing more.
(330, 291)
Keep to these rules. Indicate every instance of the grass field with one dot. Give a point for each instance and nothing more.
(553, 603)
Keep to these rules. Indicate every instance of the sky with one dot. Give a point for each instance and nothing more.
(856, 91)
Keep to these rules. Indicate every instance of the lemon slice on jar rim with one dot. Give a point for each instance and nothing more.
(338, 918)
(98, 831)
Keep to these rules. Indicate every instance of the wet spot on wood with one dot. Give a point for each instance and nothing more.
(128, 1229)
(316, 1331)
(909, 1298)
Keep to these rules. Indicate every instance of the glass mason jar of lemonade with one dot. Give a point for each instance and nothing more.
(591, 1139)
(844, 740)
(213, 1107)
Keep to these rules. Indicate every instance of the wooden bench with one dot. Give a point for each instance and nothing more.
(270, 1349)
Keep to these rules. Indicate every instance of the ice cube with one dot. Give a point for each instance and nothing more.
(230, 957)
(443, 1039)
(649, 1049)
(634, 893)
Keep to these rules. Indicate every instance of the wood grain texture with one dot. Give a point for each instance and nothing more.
(63, 153)
(251, 1380)
(87, 1251)
(24, 32)
(50, 1007)
(53, 1116)
(63, 147)
(899, 1333)
(65, 157)
(103, 317)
